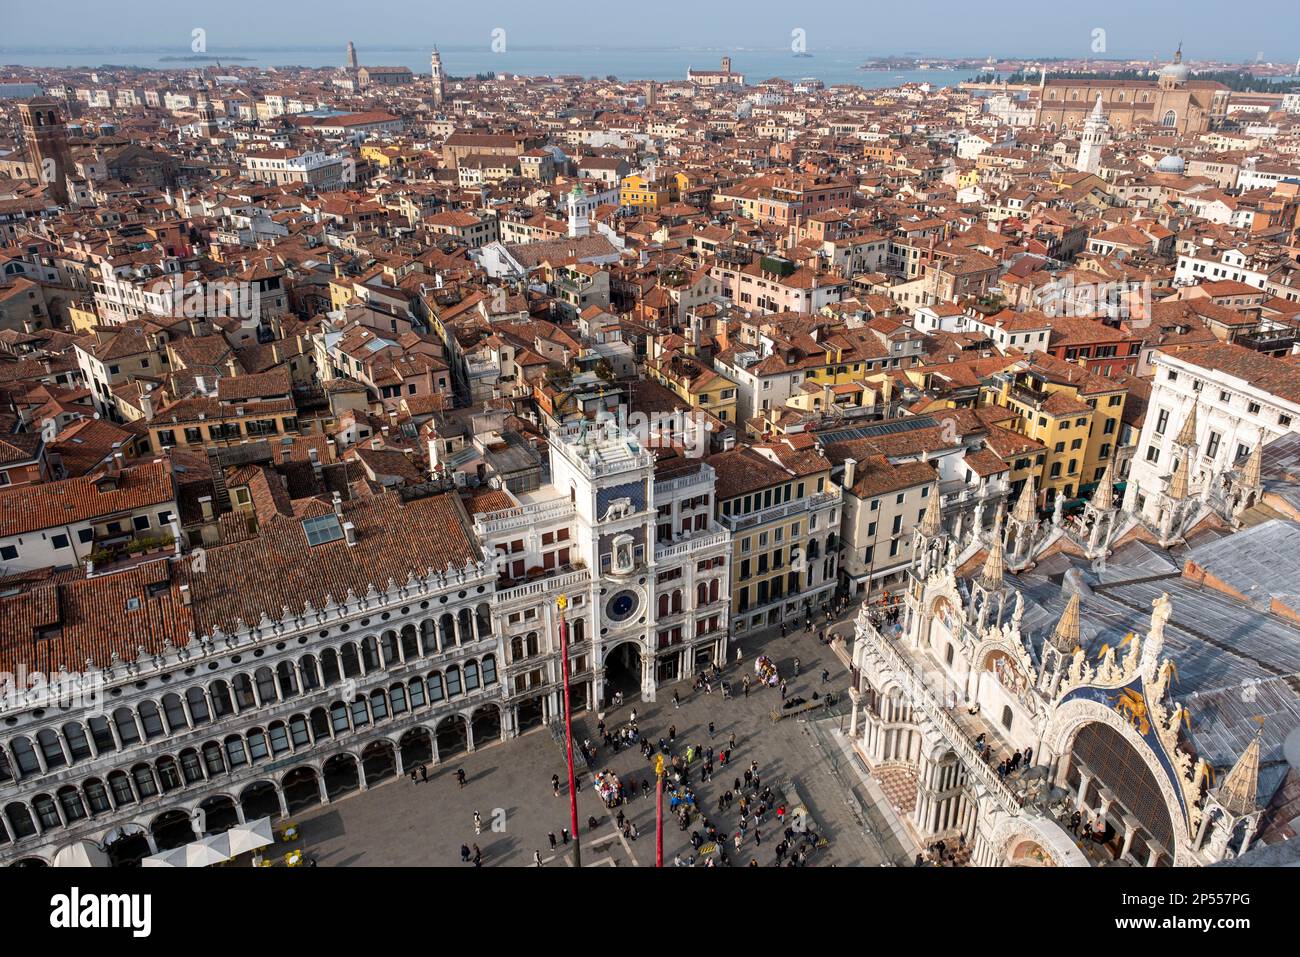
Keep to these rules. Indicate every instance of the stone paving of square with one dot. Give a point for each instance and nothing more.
(509, 784)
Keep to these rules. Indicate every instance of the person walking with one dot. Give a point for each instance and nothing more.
(672, 734)
(731, 742)
(564, 835)
(537, 858)
(424, 773)
(464, 853)
(796, 666)
(782, 689)
(415, 774)
(460, 776)
(737, 839)
(551, 837)
(555, 784)
(745, 685)
(826, 676)
(677, 701)
(710, 729)
(478, 824)
(478, 856)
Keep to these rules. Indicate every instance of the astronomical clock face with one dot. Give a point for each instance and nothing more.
(622, 605)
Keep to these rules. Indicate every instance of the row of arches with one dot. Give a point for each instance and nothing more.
(671, 603)
(340, 774)
(181, 711)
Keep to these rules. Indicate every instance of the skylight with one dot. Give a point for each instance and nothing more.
(322, 529)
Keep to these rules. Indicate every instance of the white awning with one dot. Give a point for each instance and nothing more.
(250, 836)
(81, 854)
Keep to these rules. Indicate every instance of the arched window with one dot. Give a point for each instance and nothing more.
(490, 669)
(471, 676)
(46, 811)
(397, 699)
(97, 797)
(78, 743)
(174, 711)
(244, 696)
(701, 594)
(311, 671)
(677, 600)
(257, 746)
(351, 663)
(219, 692)
(436, 692)
(466, 619)
(279, 736)
(212, 759)
(1006, 717)
(370, 654)
(25, 755)
(266, 683)
(298, 731)
(663, 605)
(483, 617)
(714, 586)
(191, 768)
(410, 643)
(142, 775)
(579, 627)
(428, 637)
(20, 821)
(198, 703)
(339, 717)
(127, 731)
(453, 681)
(151, 720)
(169, 776)
(1170, 118)
(70, 801)
(287, 678)
(379, 704)
(51, 748)
(388, 646)
(534, 647)
(446, 632)
(360, 714)
(320, 724)
(416, 687)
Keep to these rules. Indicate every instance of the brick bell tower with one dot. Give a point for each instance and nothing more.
(46, 137)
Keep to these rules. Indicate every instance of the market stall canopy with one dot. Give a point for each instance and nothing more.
(204, 853)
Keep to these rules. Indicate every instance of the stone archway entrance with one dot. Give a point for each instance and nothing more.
(128, 849)
(623, 670)
(301, 789)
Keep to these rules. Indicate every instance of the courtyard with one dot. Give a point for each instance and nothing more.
(402, 823)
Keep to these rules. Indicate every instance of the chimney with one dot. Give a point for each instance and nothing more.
(850, 473)
(350, 533)
(186, 598)
(205, 503)
(338, 505)
(118, 461)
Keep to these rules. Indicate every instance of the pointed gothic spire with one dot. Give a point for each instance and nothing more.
(1066, 636)
(1187, 434)
(991, 576)
(1024, 510)
(1252, 473)
(1182, 479)
(1097, 113)
(932, 522)
(1103, 499)
(1237, 794)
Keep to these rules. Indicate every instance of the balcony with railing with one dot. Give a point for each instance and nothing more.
(785, 510)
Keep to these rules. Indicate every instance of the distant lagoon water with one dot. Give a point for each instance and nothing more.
(829, 66)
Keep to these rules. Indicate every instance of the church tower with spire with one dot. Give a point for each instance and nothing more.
(439, 81)
(1096, 135)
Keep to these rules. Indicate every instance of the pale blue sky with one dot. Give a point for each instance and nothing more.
(1136, 28)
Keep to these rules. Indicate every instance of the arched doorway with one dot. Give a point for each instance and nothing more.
(127, 846)
(259, 800)
(417, 748)
(378, 762)
(219, 814)
(486, 725)
(341, 776)
(1029, 853)
(301, 789)
(171, 829)
(623, 670)
(453, 736)
(529, 714)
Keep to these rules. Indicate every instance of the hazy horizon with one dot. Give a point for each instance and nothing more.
(930, 28)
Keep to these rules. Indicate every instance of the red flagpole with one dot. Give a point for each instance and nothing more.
(563, 602)
(659, 811)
